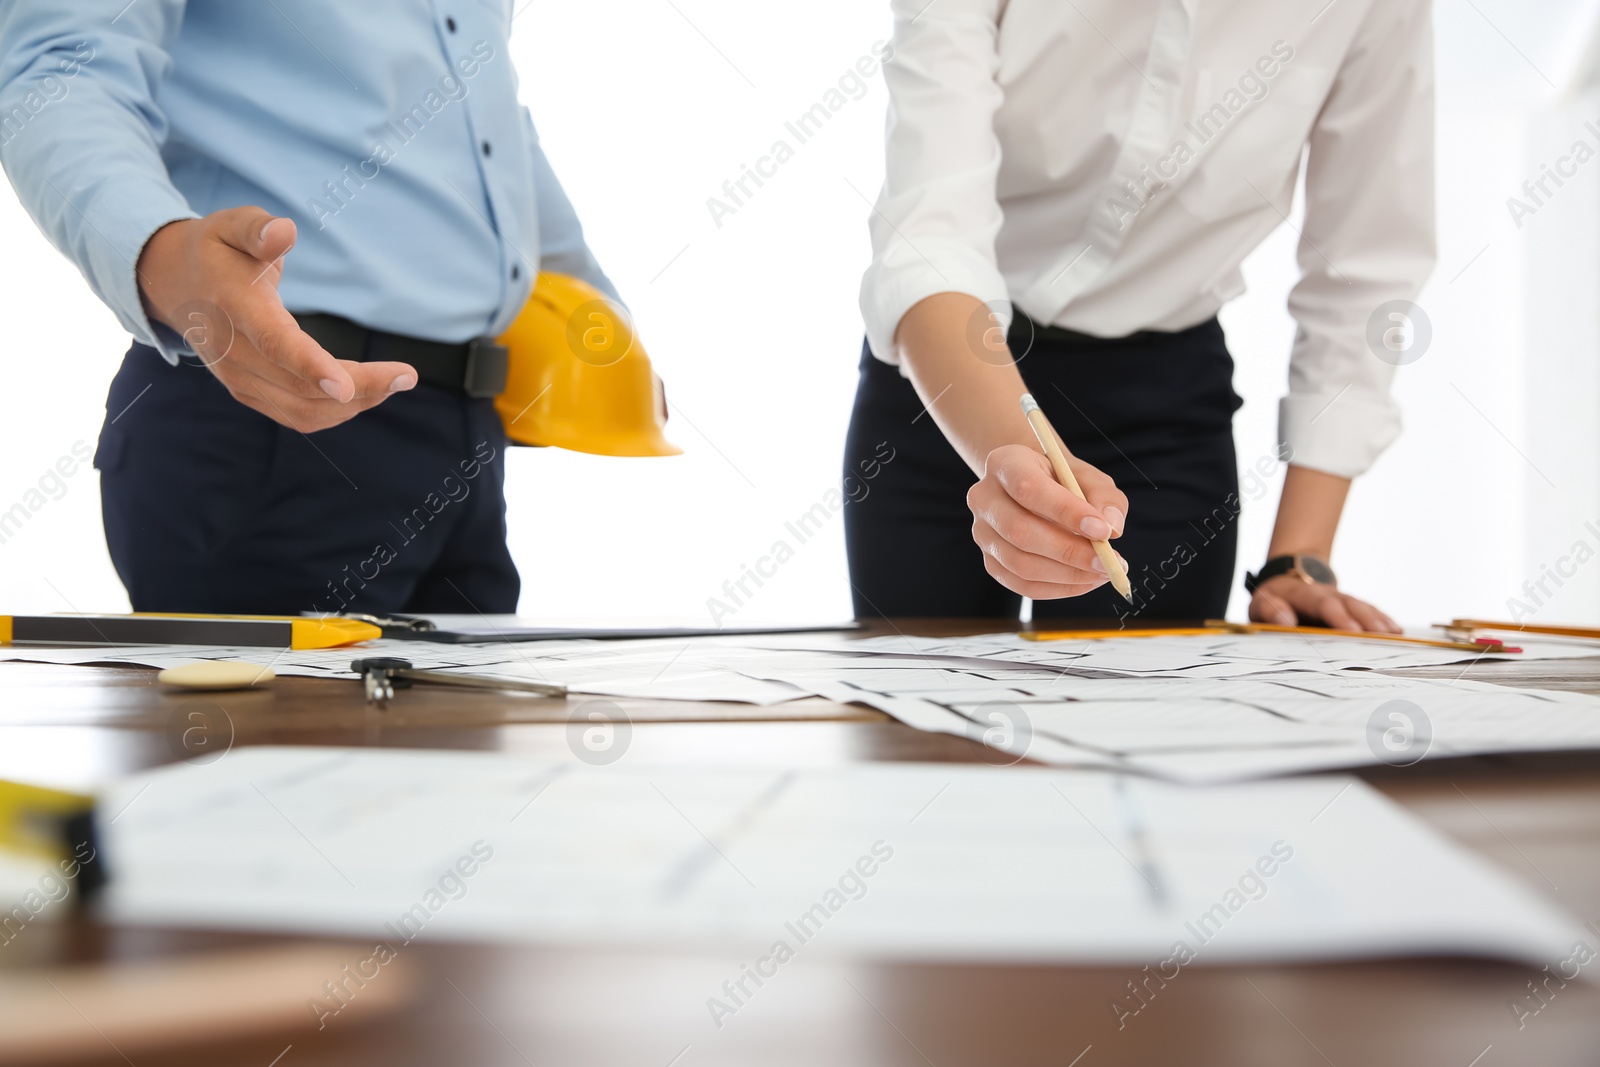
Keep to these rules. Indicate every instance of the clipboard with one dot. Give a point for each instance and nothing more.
(478, 629)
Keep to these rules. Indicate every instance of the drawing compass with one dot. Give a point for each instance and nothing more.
(382, 675)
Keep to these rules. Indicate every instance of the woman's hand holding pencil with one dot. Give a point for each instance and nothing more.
(1039, 536)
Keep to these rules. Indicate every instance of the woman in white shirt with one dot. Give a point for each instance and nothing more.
(1070, 190)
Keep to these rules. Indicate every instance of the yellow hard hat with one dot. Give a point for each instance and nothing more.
(578, 377)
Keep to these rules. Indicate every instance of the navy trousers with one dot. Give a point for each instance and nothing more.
(1154, 411)
(211, 507)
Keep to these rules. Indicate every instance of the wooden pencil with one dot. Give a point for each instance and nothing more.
(1058, 463)
(1104, 635)
(1487, 644)
(1523, 627)
(1216, 626)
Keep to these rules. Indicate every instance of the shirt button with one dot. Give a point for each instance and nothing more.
(486, 148)
(516, 272)
(450, 24)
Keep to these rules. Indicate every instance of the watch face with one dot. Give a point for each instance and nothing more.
(1316, 570)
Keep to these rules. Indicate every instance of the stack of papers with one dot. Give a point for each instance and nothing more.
(1093, 860)
(1196, 708)
(1223, 655)
(1198, 730)
(662, 669)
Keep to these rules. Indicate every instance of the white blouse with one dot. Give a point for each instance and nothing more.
(1107, 164)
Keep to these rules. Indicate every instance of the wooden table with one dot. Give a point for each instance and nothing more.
(1536, 817)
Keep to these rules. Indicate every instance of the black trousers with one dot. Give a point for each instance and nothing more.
(211, 507)
(1153, 410)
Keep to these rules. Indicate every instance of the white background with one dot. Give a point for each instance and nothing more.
(647, 106)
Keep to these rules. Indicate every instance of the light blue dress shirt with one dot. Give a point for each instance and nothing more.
(389, 131)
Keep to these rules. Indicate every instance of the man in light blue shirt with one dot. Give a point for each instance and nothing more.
(301, 211)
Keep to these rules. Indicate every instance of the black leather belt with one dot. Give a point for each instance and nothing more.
(477, 367)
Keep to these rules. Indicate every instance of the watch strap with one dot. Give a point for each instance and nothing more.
(1272, 568)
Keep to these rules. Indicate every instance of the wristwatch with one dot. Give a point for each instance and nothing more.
(1308, 569)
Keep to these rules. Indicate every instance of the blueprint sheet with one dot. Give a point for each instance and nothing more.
(898, 860)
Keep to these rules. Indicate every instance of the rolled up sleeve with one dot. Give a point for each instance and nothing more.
(934, 224)
(81, 136)
(1369, 239)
